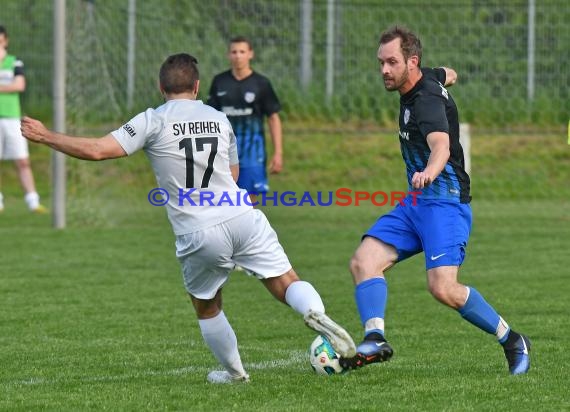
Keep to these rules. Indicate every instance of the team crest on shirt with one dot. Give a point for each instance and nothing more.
(249, 97)
(406, 116)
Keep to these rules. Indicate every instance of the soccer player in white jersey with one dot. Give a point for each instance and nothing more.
(192, 150)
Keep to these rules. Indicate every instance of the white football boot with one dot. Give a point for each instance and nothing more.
(225, 377)
(339, 338)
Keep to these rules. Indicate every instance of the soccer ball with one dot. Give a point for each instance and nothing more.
(323, 358)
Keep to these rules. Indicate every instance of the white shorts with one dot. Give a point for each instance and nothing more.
(12, 144)
(208, 256)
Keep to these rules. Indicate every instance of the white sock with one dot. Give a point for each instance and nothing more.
(302, 297)
(221, 339)
(374, 324)
(502, 330)
(32, 200)
(1, 201)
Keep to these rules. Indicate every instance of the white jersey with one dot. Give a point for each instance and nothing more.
(190, 146)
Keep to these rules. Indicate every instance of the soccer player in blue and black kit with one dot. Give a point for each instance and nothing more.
(439, 223)
(247, 97)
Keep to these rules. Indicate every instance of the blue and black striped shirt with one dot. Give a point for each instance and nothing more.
(428, 108)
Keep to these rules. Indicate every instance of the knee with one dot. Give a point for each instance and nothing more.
(208, 313)
(358, 267)
(439, 292)
(364, 267)
(23, 163)
(206, 308)
(446, 294)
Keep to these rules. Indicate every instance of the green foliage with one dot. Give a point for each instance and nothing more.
(486, 42)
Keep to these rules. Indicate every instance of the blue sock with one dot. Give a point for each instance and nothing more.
(477, 311)
(371, 296)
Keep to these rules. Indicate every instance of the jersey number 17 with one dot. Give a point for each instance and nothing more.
(186, 144)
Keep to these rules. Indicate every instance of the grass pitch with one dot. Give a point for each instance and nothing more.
(96, 317)
(98, 320)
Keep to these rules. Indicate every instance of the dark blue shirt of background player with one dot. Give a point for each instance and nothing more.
(247, 98)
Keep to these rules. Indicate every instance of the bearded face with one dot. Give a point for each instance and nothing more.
(393, 66)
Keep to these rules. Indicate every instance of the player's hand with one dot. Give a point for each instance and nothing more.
(33, 129)
(421, 180)
(276, 164)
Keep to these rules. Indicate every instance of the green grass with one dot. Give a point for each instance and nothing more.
(95, 317)
(98, 320)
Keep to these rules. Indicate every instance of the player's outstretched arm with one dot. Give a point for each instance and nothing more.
(85, 148)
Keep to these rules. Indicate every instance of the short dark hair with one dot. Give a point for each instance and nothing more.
(179, 73)
(3, 31)
(410, 43)
(241, 39)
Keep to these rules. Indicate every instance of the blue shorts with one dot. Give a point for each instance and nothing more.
(440, 228)
(253, 179)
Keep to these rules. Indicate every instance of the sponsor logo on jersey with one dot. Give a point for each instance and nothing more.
(444, 92)
(406, 116)
(404, 135)
(232, 111)
(220, 94)
(249, 97)
(130, 129)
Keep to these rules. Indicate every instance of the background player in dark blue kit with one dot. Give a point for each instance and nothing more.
(440, 223)
(247, 97)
